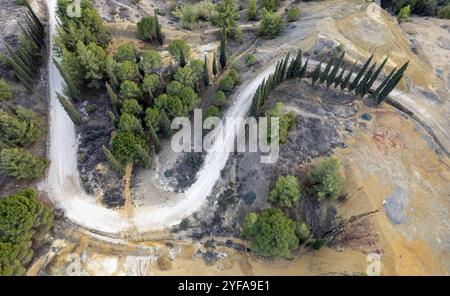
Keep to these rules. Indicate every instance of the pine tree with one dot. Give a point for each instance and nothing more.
(159, 34)
(325, 73)
(316, 73)
(302, 72)
(154, 138)
(205, 73)
(165, 124)
(114, 99)
(70, 109)
(331, 78)
(223, 54)
(366, 78)
(372, 79)
(338, 80)
(71, 87)
(346, 81)
(115, 165)
(214, 66)
(360, 74)
(182, 58)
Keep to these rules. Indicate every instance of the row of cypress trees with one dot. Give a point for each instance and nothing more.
(332, 74)
(26, 59)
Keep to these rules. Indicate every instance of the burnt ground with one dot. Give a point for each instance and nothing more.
(96, 175)
(37, 100)
(324, 120)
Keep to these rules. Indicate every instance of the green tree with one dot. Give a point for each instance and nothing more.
(227, 15)
(126, 52)
(303, 232)
(286, 121)
(129, 123)
(185, 76)
(174, 88)
(219, 98)
(152, 118)
(130, 90)
(154, 138)
(126, 71)
(286, 192)
(22, 128)
(249, 59)
(177, 46)
(444, 13)
(5, 90)
(115, 165)
(20, 164)
(172, 105)
(147, 28)
(127, 147)
(227, 83)
(131, 106)
(150, 61)
(223, 51)
(150, 84)
(252, 7)
(70, 109)
(271, 24)
(270, 233)
(403, 15)
(293, 14)
(91, 60)
(205, 73)
(158, 30)
(325, 179)
(213, 111)
(189, 98)
(214, 66)
(165, 124)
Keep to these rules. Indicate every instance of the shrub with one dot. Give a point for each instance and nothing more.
(190, 15)
(227, 15)
(252, 10)
(325, 179)
(131, 106)
(219, 98)
(126, 52)
(130, 90)
(270, 5)
(249, 59)
(293, 14)
(303, 232)
(177, 46)
(185, 76)
(19, 163)
(286, 121)
(444, 12)
(213, 111)
(227, 83)
(126, 71)
(286, 192)
(234, 75)
(90, 108)
(403, 15)
(147, 28)
(271, 24)
(5, 91)
(270, 233)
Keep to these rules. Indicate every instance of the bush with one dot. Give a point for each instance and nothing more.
(219, 98)
(271, 24)
(325, 179)
(147, 28)
(5, 91)
(191, 15)
(185, 76)
(286, 121)
(227, 15)
(252, 10)
(177, 46)
(227, 83)
(23, 128)
(293, 14)
(286, 192)
(270, 233)
(126, 71)
(444, 13)
(24, 222)
(213, 111)
(403, 15)
(270, 5)
(19, 163)
(303, 232)
(90, 108)
(151, 84)
(131, 106)
(126, 52)
(421, 7)
(234, 75)
(130, 90)
(249, 59)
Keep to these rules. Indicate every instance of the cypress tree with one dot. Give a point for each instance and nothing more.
(378, 90)
(71, 88)
(159, 34)
(112, 117)
(284, 68)
(331, 78)
(325, 73)
(182, 58)
(115, 165)
(360, 74)
(302, 72)
(214, 66)
(205, 73)
(372, 79)
(346, 81)
(316, 73)
(338, 80)
(392, 83)
(223, 54)
(34, 16)
(255, 102)
(297, 65)
(365, 79)
(70, 109)
(24, 78)
(154, 138)
(114, 99)
(18, 61)
(165, 124)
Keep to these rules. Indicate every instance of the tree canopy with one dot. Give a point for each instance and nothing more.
(286, 192)
(325, 179)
